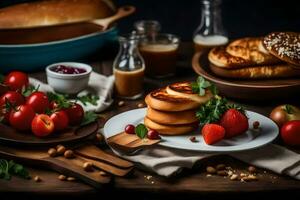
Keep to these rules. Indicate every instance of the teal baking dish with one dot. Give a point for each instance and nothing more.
(35, 57)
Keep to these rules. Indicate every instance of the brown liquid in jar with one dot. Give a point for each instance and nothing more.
(160, 59)
(129, 83)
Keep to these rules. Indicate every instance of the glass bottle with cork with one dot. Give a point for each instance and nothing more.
(210, 33)
(128, 68)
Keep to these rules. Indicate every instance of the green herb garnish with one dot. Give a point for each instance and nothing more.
(89, 117)
(89, 98)
(9, 168)
(213, 110)
(26, 91)
(141, 131)
(201, 85)
(60, 99)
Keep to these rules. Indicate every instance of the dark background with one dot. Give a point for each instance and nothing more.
(240, 17)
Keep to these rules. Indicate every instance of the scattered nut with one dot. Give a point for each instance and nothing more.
(62, 177)
(141, 105)
(37, 179)
(60, 149)
(222, 173)
(71, 179)
(193, 139)
(52, 152)
(256, 124)
(230, 173)
(211, 170)
(121, 103)
(220, 167)
(243, 175)
(88, 166)
(103, 173)
(99, 137)
(69, 154)
(208, 175)
(234, 177)
(252, 177)
(251, 169)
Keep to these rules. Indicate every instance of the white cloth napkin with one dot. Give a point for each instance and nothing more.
(99, 85)
(168, 162)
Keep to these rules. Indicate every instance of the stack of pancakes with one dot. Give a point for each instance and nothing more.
(172, 110)
(251, 58)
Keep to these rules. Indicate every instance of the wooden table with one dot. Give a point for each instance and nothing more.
(191, 183)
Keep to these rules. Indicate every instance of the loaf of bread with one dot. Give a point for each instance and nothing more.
(53, 12)
(283, 70)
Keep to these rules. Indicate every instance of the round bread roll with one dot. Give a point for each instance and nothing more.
(172, 118)
(284, 45)
(161, 100)
(169, 129)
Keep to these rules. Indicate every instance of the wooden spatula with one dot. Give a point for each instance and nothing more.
(129, 142)
(93, 152)
(71, 167)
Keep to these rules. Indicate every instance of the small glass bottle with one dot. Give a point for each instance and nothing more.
(210, 33)
(147, 28)
(129, 69)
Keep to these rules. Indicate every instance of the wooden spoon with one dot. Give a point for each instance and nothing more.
(121, 12)
(93, 152)
(129, 142)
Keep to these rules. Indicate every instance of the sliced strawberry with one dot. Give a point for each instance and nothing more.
(212, 133)
(234, 122)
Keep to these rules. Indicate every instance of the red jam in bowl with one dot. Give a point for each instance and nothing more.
(63, 69)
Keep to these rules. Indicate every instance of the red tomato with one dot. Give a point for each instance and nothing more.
(290, 132)
(15, 98)
(38, 101)
(21, 117)
(42, 125)
(75, 114)
(16, 80)
(60, 120)
(53, 105)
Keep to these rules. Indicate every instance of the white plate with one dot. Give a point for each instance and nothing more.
(251, 139)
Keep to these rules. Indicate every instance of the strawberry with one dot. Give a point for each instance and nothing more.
(234, 122)
(212, 133)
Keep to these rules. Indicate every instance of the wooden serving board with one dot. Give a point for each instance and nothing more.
(100, 160)
(70, 167)
(9, 135)
(262, 90)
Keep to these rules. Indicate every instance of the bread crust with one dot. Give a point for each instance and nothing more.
(184, 89)
(257, 72)
(172, 118)
(161, 100)
(284, 45)
(249, 48)
(169, 129)
(52, 12)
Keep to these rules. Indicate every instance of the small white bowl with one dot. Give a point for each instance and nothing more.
(68, 83)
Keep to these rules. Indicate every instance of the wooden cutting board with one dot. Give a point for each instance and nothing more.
(73, 167)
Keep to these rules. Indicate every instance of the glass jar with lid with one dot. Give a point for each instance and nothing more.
(129, 69)
(210, 32)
